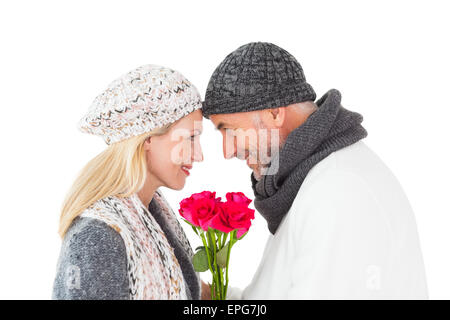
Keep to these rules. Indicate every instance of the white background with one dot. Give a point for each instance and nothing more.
(390, 60)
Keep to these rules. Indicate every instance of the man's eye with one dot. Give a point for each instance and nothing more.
(230, 132)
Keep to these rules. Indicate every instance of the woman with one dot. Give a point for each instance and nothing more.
(121, 240)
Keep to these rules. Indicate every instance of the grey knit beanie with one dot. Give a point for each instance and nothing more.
(256, 76)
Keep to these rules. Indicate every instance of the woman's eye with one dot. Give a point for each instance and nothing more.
(195, 135)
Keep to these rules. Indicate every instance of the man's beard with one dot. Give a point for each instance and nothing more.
(272, 148)
(266, 167)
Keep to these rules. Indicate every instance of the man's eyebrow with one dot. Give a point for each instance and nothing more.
(220, 126)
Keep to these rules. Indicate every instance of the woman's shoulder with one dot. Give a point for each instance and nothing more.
(87, 237)
(92, 229)
(92, 262)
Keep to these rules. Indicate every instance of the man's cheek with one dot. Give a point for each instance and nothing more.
(252, 160)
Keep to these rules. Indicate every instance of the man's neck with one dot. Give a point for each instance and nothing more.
(295, 117)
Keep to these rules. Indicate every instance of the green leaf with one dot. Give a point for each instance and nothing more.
(200, 261)
(203, 248)
(222, 256)
(195, 229)
(187, 222)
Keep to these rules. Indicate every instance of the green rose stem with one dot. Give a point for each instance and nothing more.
(230, 244)
(220, 239)
(224, 240)
(212, 242)
(218, 268)
(220, 282)
(202, 234)
(224, 288)
(219, 274)
(220, 235)
(225, 236)
(219, 287)
(216, 234)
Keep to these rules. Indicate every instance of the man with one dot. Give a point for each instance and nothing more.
(341, 226)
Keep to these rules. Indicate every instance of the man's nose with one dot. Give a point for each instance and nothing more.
(229, 147)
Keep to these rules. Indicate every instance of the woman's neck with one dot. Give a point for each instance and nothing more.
(147, 191)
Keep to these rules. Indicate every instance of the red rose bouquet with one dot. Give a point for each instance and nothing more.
(219, 225)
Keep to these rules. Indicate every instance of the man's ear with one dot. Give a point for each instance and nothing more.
(278, 116)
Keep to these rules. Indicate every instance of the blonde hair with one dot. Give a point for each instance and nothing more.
(120, 170)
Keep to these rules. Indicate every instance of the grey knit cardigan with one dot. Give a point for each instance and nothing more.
(126, 253)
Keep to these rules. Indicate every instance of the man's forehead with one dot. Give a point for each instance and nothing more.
(230, 119)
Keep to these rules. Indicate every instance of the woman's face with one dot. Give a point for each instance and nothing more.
(171, 156)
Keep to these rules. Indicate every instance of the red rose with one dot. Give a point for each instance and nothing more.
(199, 208)
(232, 215)
(238, 197)
(219, 220)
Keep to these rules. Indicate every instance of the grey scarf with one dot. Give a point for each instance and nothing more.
(183, 257)
(330, 128)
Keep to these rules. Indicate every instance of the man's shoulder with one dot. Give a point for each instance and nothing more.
(346, 180)
(351, 185)
(346, 168)
(344, 163)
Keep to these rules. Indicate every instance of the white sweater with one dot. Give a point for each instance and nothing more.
(350, 234)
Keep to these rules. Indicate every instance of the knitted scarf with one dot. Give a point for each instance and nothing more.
(328, 129)
(164, 215)
(158, 252)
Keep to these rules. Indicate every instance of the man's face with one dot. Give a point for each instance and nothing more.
(247, 136)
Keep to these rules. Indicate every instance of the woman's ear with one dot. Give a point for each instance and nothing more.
(147, 142)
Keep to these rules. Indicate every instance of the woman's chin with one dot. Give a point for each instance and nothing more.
(179, 185)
